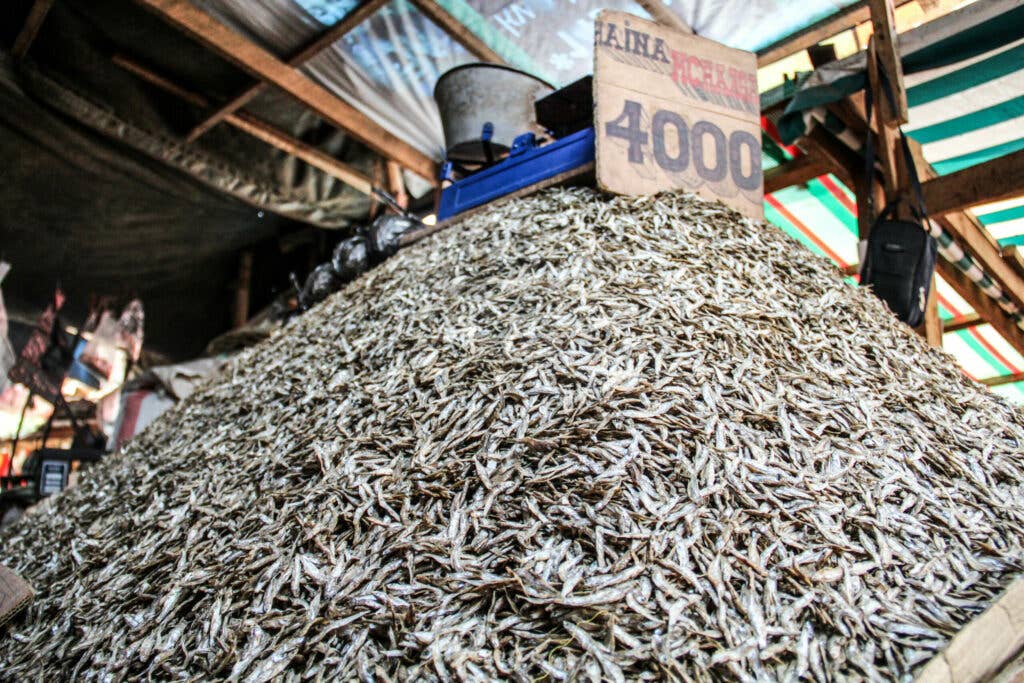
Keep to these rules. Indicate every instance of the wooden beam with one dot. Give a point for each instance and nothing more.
(361, 13)
(962, 323)
(30, 29)
(849, 18)
(842, 161)
(242, 287)
(885, 142)
(883, 25)
(800, 170)
(1003, 379)
(311, 155)
(259, 129)
(664, 16)
(985, 305)
(265, 66)
(991, 181)
(458, 31)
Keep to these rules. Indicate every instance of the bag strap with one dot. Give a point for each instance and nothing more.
(917, 209)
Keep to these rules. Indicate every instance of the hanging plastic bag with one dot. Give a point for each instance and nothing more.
(321, 283)
(384, 234)
(101, 351)
(350, 258)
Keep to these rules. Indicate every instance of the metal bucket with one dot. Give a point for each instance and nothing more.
(473, 95)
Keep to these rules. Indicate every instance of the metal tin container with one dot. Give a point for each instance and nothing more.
(473, 95)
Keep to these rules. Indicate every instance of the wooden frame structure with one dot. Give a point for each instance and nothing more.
(946, 197)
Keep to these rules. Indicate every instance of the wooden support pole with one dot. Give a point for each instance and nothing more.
(883, 24)
(396, 184)
(458, 31)
(247, 55)
(991, 181)
(242, 287)
(885, 143)
(664, 16)
(30, 29)
(259, 129)
(361, 13)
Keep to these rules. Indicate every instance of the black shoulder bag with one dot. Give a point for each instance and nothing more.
(900, 259)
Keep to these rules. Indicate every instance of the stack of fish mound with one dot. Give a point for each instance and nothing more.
(574, 437)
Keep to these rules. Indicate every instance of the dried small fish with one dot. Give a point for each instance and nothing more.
(575, 437)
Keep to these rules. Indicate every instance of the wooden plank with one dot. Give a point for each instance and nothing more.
(462, 35)
(311, 155)
(30, 29)
(659, 128)
(15, 594)
(962, 323)
(985, 305)
(361, 13)
(259, 129)
(883, 24)
(800, 170)
(991, 181)
(845, 20)
(1003, 379)
(265, 66)
(664, 16)
(972, 236)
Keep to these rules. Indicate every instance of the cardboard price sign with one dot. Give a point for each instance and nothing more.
(675, 111)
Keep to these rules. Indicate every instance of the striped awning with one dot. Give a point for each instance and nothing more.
(965, 108)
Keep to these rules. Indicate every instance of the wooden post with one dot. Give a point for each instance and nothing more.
(396, 184)
(30, 29)
(883, 24)
(242, 287)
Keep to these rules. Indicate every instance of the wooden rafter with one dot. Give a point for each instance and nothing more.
(458, 31)
(258, 129)
(361, 13)
(844, 20)
(991, 181)
(1003, 379)
(30, 29)
(987, 308)
(800, 170)
(962, 323)
(265, 66)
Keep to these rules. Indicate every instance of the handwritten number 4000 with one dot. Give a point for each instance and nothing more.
(690, 144)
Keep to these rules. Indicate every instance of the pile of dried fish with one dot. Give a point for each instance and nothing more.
(576, 437)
